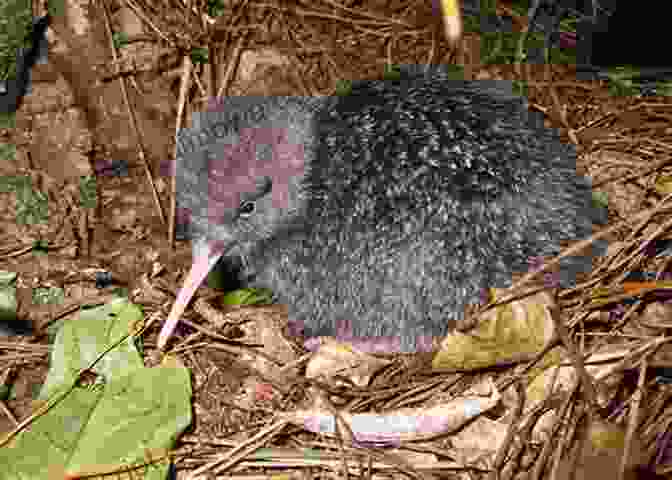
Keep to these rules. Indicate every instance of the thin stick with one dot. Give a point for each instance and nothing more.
(184, 86)
(131, 116)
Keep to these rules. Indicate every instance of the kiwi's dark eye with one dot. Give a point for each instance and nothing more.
(246, 208)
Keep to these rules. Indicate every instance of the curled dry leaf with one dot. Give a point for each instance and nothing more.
(334, 359)
(506, 333)
(402, 425)
(560, 376)
(601, 366)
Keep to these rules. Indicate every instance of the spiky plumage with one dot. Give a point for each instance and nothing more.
(390, 210)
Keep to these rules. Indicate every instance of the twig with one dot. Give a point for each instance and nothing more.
(241, 451)
(500, 458)
(184, 86)
(132, 117)
(634, 420)
(587, 385)
(231, 67)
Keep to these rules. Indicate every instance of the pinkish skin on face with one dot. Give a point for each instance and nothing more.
(239, 162)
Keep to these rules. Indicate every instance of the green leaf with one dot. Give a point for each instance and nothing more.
(216, 8)
(110, 423)
(120, 39)
(32, 206)
(15, 27)
(343, 88)
(11, 183)
(8, 302)
(199, 55)
(601, 199)
(7, 152)
(88, 197)
(48, 295)
(391, 72)
(248, 296)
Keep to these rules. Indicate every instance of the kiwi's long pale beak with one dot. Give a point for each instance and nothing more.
(452, 20)
(205, 258)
